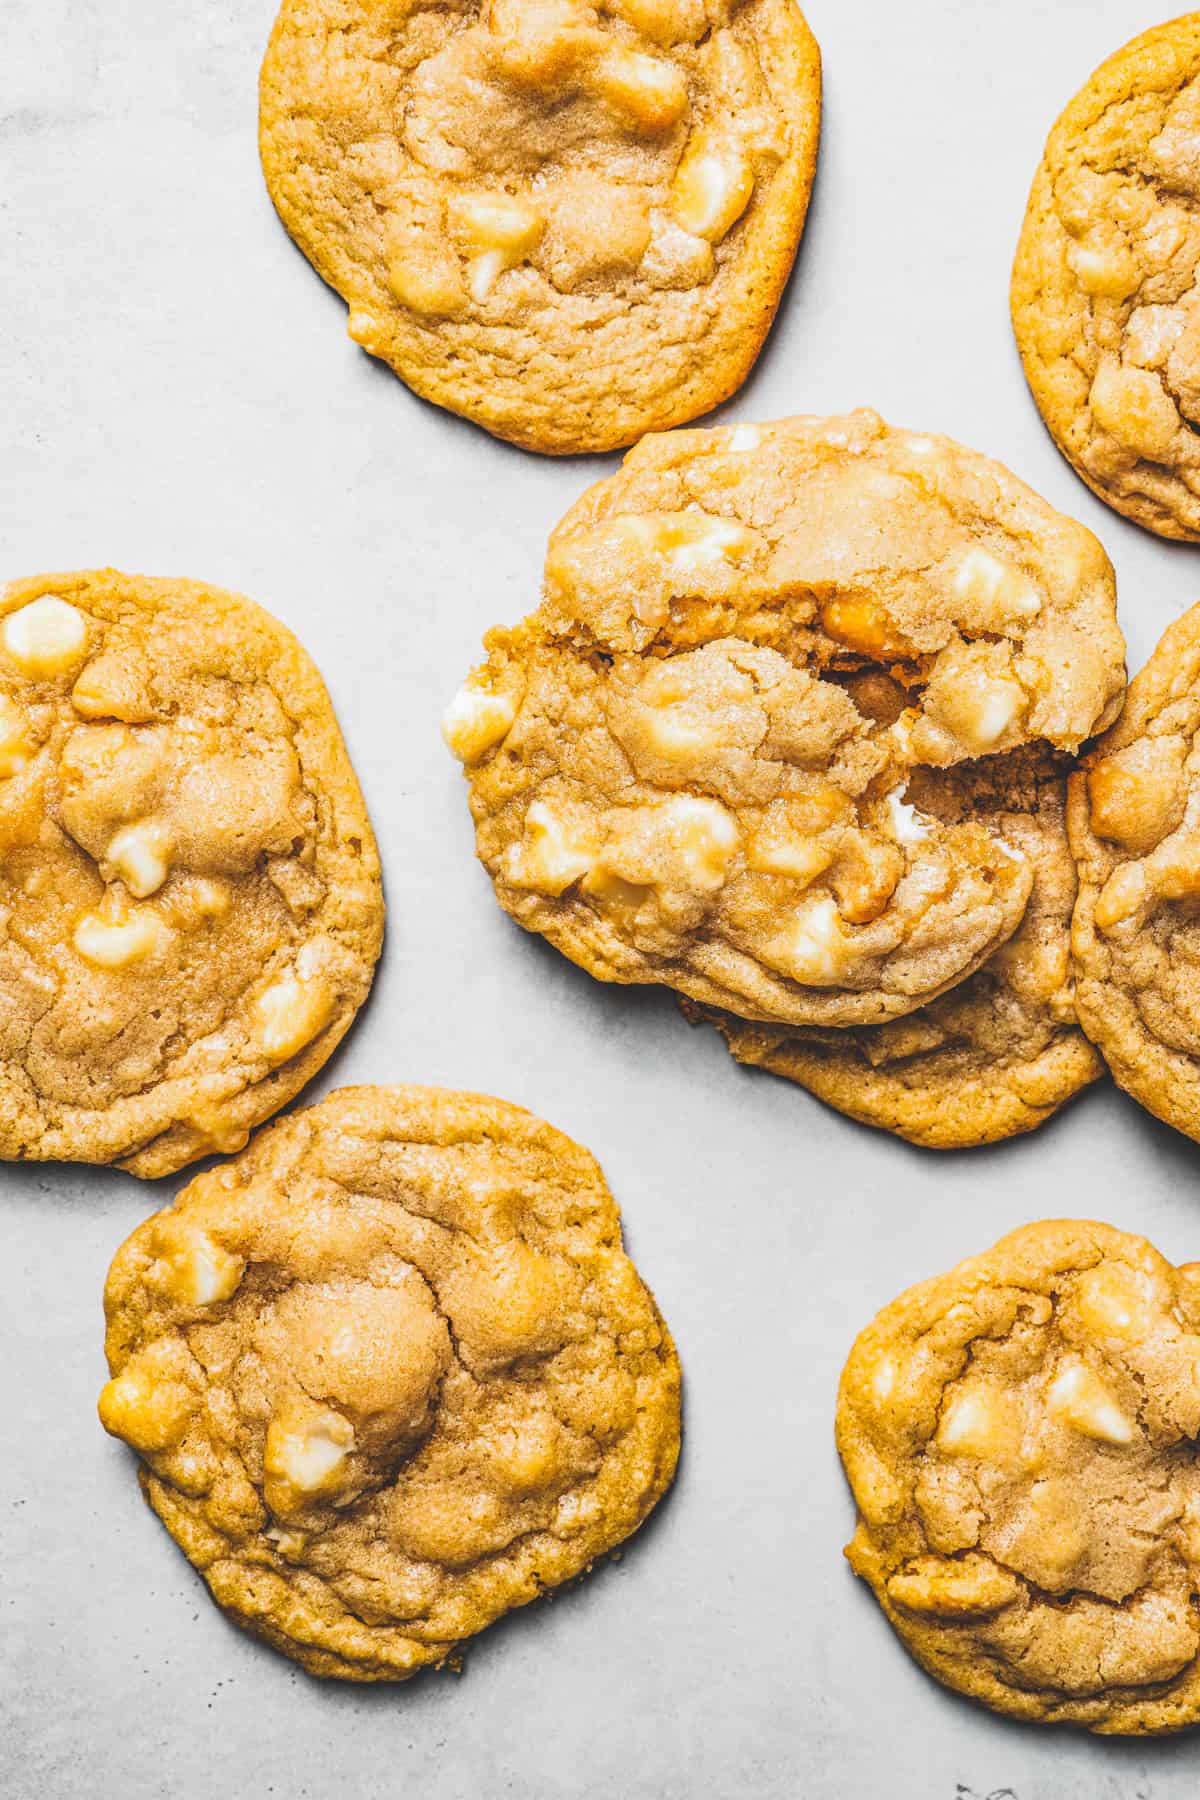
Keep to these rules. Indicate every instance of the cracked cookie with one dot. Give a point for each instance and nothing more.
(692, 764)
(571, 223)
(1020, 1439)
(999, 1053)
(1134, 820)
(1105, 296)
(190, 901)
(391, 1374)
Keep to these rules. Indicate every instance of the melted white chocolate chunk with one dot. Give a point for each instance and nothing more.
(116, 943)
(476, 720)
(290, 1014)
(1080, 1399)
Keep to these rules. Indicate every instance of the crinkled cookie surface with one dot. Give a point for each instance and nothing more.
(1105, 298)
(391, 1374)
(998, 1054)
(570, 223)
(1019, 1436)
(190, 900)
(693, 763)
(1134, 819)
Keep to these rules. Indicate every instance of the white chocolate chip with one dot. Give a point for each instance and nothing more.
(141, 856)
(201, 1273)
(552, 854)
(910, 826)
(496, 221)
(1081, 1400)
(483, 272)
(991, 583)
(118, 943)
(690, 540)
(977, 1421)
(304, 1457)
(501, 230)
(45, 638)
(476, 720)
(712, 188)
(613, 890)
(814, 950)
(982, 712)
(1117, 1302)
(744, 437)
(675, 736)
(290, 1014)
(646, 93)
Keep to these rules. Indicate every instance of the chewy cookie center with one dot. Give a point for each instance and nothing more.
(575, 151)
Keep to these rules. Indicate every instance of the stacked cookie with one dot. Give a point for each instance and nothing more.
(790, 733)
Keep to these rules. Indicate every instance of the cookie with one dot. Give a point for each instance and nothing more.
(691, 764)
(189, 887)
(569, 223)
(1134, 819)
(998, 1054)
(1104, 297)
(391, 1374)
(1019, 1436)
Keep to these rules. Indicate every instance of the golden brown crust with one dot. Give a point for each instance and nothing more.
(695, 763)
(192, 908)
(389, 131)
(1019, 1435)
(1134, 821)
(1104, 299)
(998, 1054)
(391, 1374)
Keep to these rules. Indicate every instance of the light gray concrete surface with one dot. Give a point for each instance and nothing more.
(178, 395)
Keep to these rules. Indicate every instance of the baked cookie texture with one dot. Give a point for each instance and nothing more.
(1134, 817)
(693, 763)
(391, 1374)
(1105, 301)
(190, 899)
(569, 223)
(998, 1054)
(1019, 1436)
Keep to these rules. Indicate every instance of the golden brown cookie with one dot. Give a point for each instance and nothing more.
(1020, 1439)
(190, 903)
(1134, 820)
(998, 1054)
(390, 1375)
(1105, 301)
(691, 764)
(571, 223)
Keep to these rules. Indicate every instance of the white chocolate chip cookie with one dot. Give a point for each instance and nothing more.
(1105, 292)
(391, 1374)
(690, 764)
(190, 903)
(1020, 1439)
(1134, 819)
(569, 222)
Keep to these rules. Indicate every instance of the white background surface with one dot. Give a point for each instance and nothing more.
(178, 395)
